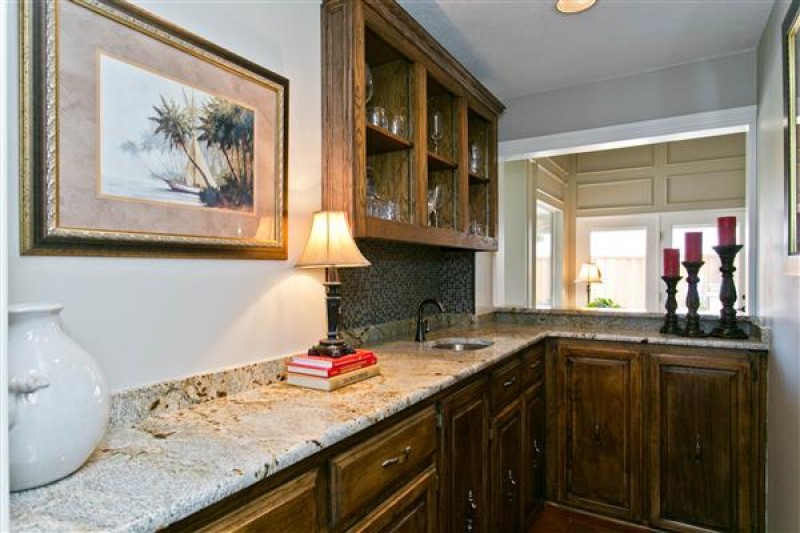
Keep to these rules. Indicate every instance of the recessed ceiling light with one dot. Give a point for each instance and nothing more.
(574, 6)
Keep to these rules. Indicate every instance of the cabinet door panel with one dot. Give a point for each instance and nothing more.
(601, 430)
(412, 509)
(507, 469)
(465, 459)
(533, 485)
(699, 451)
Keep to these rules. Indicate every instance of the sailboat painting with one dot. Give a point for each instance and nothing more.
(163, 141)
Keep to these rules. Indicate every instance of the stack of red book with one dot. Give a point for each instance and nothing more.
(328, 373)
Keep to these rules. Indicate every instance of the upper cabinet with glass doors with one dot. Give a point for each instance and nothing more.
(409, 135)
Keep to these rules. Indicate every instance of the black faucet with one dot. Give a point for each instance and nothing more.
(422, 324)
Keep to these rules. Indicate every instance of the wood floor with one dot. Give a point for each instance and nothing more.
(557, 520)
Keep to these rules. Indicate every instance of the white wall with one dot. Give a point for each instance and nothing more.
(4, 13)
(147, 320)
(778, 289)
(719, 83)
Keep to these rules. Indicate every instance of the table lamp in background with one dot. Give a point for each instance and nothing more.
(331, 246)
(589, 274)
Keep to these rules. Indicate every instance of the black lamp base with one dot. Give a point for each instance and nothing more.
(329, 348)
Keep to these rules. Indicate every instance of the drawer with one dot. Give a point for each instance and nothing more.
(533, 366)
(506, 384)
(290, 508)
(361, 474)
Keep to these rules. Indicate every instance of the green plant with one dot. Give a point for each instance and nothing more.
(603, 303)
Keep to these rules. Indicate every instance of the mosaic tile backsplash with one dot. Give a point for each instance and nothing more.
(401, 276)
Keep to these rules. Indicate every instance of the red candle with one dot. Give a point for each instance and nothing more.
(726, 231)
(672, 257)
(694, 246)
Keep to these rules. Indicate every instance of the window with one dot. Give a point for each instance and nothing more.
(621, 256)
(547, 220)
(624, 248)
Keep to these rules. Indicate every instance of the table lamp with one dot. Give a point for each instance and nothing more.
(589, 274)
(331, 246)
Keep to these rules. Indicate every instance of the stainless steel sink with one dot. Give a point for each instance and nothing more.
(461, 345)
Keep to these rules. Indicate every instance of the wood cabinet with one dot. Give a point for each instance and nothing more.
(507, 468)
(463, 463)
(600, 429)
(409, 135)
(670, 437)
(533, 453)
(701, 445)
(667, 437)
(360, 476)
(412, 509)
(294, 507)
(492, 456)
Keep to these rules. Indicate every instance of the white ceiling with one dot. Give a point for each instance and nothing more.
(520, 47)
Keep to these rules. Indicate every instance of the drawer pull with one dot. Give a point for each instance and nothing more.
(596, 433)
(535, 365)
(507, 383)
(513, 487)
(397, 460)
(472, 507)
(698, 449)
(536, 447)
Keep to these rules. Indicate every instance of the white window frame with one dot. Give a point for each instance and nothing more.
(649, 222)
(557, 267)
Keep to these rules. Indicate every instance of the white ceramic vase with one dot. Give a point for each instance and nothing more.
(59, 403)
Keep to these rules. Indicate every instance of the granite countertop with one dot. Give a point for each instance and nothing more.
(148, 474)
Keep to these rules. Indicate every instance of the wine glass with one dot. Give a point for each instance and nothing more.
(437, 129)
(369, 88)
(433, 204)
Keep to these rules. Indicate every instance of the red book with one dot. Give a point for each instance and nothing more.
(322, 361)
(330, 372)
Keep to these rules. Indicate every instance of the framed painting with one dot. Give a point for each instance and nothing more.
(791, 25)
(141, 139)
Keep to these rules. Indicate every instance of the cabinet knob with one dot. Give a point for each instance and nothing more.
(513, 486)
(472, 508)
(698, 448)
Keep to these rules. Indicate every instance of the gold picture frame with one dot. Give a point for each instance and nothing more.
(791, 56)
(141, 139)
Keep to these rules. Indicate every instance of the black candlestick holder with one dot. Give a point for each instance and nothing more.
(671, 317)
(728, 328)
(693, 328)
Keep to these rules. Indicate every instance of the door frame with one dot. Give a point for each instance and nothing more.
(683, 127)
(4, 180)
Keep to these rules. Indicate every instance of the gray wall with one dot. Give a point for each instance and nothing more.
(778, 290)
(720, 83)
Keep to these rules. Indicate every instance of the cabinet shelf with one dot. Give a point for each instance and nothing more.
(477, 178)
(437, 162)
(381, 141)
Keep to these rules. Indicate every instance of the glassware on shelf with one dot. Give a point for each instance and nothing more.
(377, 117)
(476, 228)
(437, 129)
(433, 205)
(368, 87)
(475, 159)
(398, 125)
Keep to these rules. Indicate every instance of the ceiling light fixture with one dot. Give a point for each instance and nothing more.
(570, 7)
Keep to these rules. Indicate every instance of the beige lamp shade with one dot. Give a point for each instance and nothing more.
(330, 243)
(574, 6)
(589, 273)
